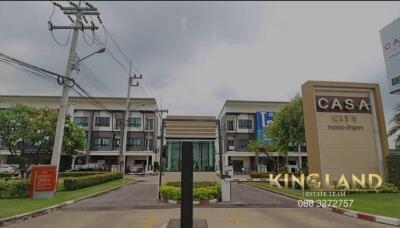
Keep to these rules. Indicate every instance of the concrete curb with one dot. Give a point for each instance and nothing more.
(350, 213)
(366, 216)
(33, 214)
(196, 202)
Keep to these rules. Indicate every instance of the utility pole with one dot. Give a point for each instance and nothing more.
(148, 136)
(161, 111)
(148, 151)
(67, 81)
(122, 147)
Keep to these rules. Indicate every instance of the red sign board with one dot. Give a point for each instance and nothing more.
(42, 178)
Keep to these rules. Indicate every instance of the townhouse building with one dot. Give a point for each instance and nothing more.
(242, 121)
(103, 127)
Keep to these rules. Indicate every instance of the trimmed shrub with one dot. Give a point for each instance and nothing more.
(170, 192)
(393, 167)
(14, 188)
(195, 184)
(78, 174)
(388, 188)
(201, 191)
(73, 183)
(5, 175)
(258, 175)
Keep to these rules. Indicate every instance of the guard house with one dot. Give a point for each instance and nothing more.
(202, 132)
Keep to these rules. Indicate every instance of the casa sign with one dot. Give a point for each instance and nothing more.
(345, 129)
(343, 104)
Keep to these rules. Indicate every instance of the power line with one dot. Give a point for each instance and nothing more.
(115, 43)
(52, 34)
(50, 77)
(90, 73)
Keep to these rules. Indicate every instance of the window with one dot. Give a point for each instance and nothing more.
(81, 121)
(149, 124)
(133, 142)
(134, 122)
(118, 123)
(243, 143)
(100, 143)
(230, 125)
(203, 156)
(102, 122)
(116, 143)
(150, 144)
(292, 162)
(245, 124)
(230, 143)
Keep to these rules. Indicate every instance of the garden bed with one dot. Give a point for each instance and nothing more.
(202, 191)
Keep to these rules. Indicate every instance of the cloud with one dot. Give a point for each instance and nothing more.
(194, 55)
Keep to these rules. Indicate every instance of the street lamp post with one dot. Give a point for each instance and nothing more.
(76, 64)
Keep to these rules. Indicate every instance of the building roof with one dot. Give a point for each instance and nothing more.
(232, 102)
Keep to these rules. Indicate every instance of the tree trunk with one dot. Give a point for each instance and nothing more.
(299, 150)
(73, 161)
(287, 161)
(256, 161)
(279, 168)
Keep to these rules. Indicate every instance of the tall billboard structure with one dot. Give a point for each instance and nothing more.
(390, 38)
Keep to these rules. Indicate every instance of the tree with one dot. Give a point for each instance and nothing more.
(395, 121)
(258, 148)
(28, 133)
(287, 129)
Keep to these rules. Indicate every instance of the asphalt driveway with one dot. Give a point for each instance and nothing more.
(141, 195)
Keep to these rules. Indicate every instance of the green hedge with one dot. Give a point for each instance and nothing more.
(200, 191)
(195, 184)
(78, 174)
(73, 183)
(14, 188)
(393, 166)
(5, 175)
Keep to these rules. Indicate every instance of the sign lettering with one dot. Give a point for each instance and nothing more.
(343, 104)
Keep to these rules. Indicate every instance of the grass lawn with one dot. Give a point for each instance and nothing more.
(386, 204)
(10, 207)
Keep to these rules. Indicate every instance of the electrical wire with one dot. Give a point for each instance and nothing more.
(84, 38)
(90, 73)
(52, 33)
(50, 77)
(115, 43)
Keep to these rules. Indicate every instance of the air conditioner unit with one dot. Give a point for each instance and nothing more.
(231, 147)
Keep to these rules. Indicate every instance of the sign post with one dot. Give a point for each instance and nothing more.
(42, 181)
(187, 185)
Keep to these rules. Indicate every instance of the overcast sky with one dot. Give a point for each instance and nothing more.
(196, 55)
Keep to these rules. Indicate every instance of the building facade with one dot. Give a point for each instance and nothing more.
(201, 131)
(242, 121)
(103, 127)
